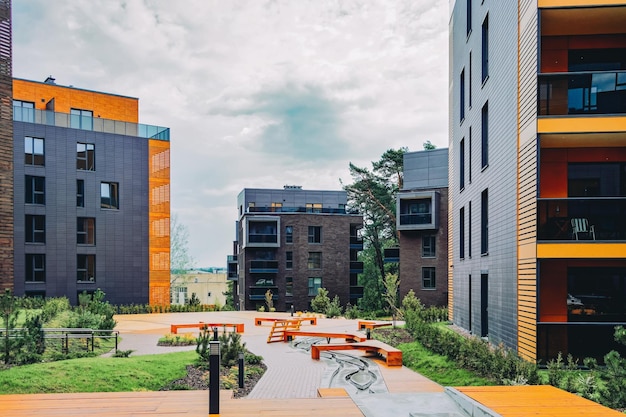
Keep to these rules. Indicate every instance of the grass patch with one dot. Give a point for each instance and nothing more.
(438, 368)
(140, 373)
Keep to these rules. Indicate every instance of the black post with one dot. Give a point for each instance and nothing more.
(215, 333)
(214, 378)
(368, 332)
(241, 357)
(292, 310)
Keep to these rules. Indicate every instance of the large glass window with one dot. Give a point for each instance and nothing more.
(86, 231)
(315, 234)
(23, 111)
(313, 207)
(468, 25)
(469, 229)
(34, 151)
(85, 156)
(35, 267)
(428, 246)
(81, 119)
(315, 260)
(35, 190)
(315, 283)
(428, 277)
(462, 164)
(35, 229)
(109, 195)
(86, 268)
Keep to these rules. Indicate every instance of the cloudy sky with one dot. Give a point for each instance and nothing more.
(257, 93)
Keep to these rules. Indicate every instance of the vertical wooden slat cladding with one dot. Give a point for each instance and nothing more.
(527, 181)
(6, 148)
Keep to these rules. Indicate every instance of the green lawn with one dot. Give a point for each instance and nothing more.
(140, 373)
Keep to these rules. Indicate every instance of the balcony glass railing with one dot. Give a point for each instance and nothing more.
(598, 92)
(325, 210)
(262, 238)
(356, 267)
(564, 219)
(423, 218)
(263, 266)
(96, 124)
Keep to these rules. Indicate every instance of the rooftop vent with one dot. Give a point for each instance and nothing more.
(50, 80)
(292, 187)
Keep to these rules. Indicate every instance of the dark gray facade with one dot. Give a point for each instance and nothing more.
(121, 235)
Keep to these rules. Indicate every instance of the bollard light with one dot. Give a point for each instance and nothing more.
(292, 310)
(241, 370)
(214, 378)
(215, 333)
(368, 332)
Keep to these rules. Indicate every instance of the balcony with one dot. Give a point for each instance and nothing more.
(262, 231)
(607, 215)
(582, 93)
(392, 255)
(417, 210)
(95, 124)
(263, 267)
(356, 292)
(233, 274)
(356, 242)
(356, 267)
(302, 209)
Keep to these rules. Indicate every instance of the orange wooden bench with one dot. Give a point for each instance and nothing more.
(348, 337)
(259, 320)
(237, 327)
(393, 356)
(372, 325)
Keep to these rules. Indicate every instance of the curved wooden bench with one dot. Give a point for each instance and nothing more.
(237, 327)
(259, 320)
(393, 356)
(348, 337)
(372, 325)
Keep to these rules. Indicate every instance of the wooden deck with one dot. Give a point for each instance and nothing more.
(170, 404)
(536, 400)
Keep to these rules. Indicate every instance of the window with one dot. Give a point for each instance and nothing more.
(314, 285)
(485, 48)
(109, 195)
(289, 286)
(288, 234)
(468, 7)
(313, 207)
(35, 190)
(315, 260)
(485, 136)
(33, 151)
(469, 81)
(80, 193)
(85, 156)
(86, 268)
(462, 164)
(484, 222)
(86, 231)
(35, 267)
(428, 277)
(428, 246)
(469, 156)
(23, 111)
(81, 119)
(462, 96)
(289, 260)
(35, 229)
(462, 232)
(469, 229)
(277, 206)
(315, 234)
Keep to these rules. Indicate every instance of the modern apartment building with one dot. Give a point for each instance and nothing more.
(538, 174)
(292, 242)
(422, 225)
(91, 201)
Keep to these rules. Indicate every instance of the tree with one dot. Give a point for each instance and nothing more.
(180, 259)
(373, 194)
(8, 308)
(392, 285)
(429, 146)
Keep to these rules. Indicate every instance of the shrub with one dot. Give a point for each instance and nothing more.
(54, 306)
(321, 301)
(334, 308)
(352, 312)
